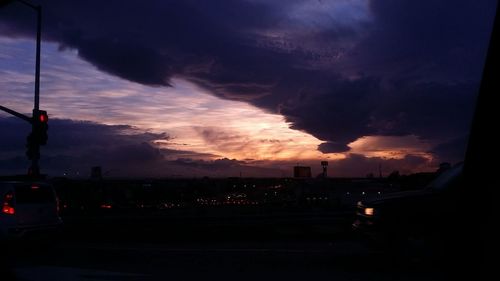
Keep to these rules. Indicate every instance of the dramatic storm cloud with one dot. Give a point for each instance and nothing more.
(338, 70)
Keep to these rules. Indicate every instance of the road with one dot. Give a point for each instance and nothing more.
(337, 261)
(212, 250)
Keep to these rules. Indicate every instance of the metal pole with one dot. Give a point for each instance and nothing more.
(37, 65)
(17, 114)
(35, 168)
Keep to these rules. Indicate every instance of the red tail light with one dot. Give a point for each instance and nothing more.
(8, 204)
(106, 206)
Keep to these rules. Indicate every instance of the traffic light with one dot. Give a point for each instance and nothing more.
(40, 126)
(38, 136)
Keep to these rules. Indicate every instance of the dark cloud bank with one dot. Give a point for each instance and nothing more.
(413, 67)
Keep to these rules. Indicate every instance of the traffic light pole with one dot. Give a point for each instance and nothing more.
(37, 63)
(15, 113)
(34, 170)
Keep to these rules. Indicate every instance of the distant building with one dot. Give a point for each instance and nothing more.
(301, 172)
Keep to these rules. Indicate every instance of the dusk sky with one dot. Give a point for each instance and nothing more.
(215, 88)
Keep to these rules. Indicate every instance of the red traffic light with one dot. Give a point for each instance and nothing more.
(43, 117)
(40, 125)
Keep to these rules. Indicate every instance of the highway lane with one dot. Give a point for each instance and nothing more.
(216, 248)
(341, 260)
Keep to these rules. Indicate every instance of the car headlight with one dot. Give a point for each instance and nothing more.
(369, 211)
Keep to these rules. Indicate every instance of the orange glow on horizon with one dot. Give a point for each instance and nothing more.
(391, 147)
